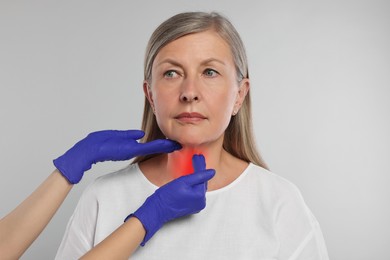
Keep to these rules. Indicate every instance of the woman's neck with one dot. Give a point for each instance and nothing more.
(179, 163)
(166, 167)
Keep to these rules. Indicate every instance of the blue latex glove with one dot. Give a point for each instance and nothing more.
(108, 145)
(184, 196)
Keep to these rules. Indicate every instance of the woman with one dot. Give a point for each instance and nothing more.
(197, 93)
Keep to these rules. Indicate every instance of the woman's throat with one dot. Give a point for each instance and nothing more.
(181, 162)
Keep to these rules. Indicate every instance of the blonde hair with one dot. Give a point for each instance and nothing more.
(239, 139)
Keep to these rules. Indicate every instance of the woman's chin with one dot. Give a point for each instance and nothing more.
(186, 143)
(189, 145)
(192, 141)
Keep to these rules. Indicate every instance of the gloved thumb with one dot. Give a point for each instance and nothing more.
(198, 162)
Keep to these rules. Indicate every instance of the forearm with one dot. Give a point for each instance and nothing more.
(24, 224)
(121, 243)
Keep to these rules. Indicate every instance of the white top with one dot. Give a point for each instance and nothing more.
(258, 216)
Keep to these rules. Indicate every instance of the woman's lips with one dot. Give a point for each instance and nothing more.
(192, 117)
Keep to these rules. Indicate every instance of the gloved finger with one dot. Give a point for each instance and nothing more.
(198, 177)
(125, 134)
(157, 146)
(198, 162)
(128, 134)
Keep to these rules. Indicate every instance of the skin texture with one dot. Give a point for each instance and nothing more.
(195, 74)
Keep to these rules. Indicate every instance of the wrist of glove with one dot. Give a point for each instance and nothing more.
(181, 197)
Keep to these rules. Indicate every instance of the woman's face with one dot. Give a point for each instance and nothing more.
(194, 89)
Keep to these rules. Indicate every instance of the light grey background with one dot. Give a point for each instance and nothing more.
(320, 87)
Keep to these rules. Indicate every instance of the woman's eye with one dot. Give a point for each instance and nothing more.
(210, 73)
(170, 74)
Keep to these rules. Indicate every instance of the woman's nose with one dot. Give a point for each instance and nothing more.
(188, 97)
(189, 91)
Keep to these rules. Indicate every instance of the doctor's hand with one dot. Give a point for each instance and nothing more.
(108, 145)
(183, 196)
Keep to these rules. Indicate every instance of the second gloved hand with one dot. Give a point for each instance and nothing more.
(108, 145)
(183, 196)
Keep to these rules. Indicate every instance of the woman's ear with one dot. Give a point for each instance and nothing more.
(148, 94)
(241, 94)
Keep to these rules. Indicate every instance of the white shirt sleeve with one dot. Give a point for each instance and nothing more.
(299, 232)
(79, 235)
(312, 247)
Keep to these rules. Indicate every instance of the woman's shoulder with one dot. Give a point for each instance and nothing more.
(130, 171)
(114, 180)
(271, 184)
(281, 195)
(269, 177)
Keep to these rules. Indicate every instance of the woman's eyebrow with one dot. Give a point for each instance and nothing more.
(176, 63)
(170, 61)
(211, 60)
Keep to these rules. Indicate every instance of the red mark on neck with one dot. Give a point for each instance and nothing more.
(182, 161)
